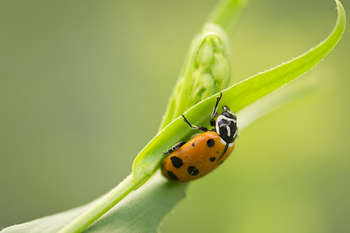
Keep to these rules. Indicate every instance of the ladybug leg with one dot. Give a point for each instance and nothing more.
(214, 114)
(174, 148)
(202, 128)
(223, 153)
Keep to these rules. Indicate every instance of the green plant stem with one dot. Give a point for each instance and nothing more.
(227, 13)
(101, 206)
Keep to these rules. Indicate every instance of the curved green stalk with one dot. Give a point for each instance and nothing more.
(227, 13)
(101, 206)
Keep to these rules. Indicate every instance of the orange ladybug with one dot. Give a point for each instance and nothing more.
(190, 160)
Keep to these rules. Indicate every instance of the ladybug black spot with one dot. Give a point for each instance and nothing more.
(193, 171)
(211, 142)
(172, 176)
(193, 144)
(212, 159)
(176, 161)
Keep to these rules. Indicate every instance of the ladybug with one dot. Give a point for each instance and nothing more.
(203, 153)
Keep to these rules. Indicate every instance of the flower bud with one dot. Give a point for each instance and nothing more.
(206, 71)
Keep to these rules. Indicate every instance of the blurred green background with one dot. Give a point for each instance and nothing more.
(83, 85)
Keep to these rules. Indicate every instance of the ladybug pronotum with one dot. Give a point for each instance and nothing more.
(203, 153)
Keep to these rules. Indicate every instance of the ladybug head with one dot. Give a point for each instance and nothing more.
(226, 125)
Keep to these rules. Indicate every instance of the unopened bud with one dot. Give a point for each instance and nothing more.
(206, 72)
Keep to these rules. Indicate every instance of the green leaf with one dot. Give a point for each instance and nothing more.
(49, 224)
(274, 101)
